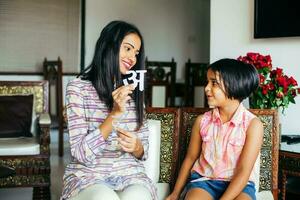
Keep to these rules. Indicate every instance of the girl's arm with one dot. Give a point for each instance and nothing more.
(190, 158)
(251, 149)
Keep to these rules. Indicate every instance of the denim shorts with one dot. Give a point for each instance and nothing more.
(216, 188)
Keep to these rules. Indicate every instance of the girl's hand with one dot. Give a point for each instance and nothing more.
(120, 97)
(172, 196)
(129, 142)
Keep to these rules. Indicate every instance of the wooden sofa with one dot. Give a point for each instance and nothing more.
(176, 124)
(28, 158)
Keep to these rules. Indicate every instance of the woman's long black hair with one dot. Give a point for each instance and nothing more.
(104, 71)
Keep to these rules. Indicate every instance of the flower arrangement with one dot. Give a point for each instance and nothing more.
(275, 88)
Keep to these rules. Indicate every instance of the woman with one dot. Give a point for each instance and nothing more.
(106, 160)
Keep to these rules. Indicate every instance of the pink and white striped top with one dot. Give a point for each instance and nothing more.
(94, 159)
(222, 144)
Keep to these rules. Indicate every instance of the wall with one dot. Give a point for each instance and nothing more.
(232, 26)
(171, 28)
(32, 30)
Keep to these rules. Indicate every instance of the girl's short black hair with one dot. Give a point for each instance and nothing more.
(240, 79)
(104, 70)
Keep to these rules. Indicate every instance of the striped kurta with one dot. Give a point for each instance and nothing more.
(94, 159)
(222, 144)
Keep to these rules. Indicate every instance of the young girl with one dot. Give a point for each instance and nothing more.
(225, 142)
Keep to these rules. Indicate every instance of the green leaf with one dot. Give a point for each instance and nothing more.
(292, 100)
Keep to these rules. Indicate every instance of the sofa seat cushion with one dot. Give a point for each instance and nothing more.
(19, 146)
(264, 195)
(163, 190)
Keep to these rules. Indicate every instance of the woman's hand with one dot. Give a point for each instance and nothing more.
(129, 142)
(120, 96)
(172, 196)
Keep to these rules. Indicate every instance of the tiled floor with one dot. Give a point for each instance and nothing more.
(57, 171)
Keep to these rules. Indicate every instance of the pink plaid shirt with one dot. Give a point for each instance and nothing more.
(222, 144)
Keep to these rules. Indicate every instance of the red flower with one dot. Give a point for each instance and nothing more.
(261, 79)
(259, 61)
(264, 89)
(293, 92)
(276, 73)
(282, 81)
(292, 81)
(271, 86)
(279, 94)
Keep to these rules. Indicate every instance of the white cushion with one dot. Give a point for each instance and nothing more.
(264, 195)
(163, 190)
(257, 173)
(33, 128)
(152, 164)
(19, 146)
(44, 119)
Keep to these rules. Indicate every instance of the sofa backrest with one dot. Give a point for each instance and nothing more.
(268, 179)
(39, 89)
(169, 141)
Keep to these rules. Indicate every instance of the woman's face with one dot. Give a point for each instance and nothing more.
(129, 50)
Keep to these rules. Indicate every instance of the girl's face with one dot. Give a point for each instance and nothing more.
(129, 50)
(214, 89)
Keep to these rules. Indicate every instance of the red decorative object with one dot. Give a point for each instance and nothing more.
(275, 88)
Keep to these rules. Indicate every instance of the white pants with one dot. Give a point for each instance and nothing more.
(103, 192)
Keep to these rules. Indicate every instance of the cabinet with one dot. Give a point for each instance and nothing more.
(289, 165)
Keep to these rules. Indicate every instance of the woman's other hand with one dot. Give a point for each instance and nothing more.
(128, 141)
(121, 95)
